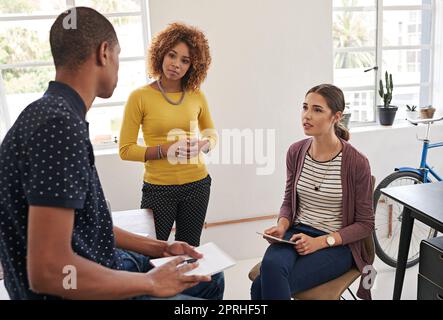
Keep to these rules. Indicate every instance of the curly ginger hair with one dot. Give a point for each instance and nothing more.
(198, 46)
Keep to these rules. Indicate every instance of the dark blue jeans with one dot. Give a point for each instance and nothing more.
(284, 272)
(213, 290)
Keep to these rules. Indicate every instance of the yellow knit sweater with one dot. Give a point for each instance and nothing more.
(161, 123)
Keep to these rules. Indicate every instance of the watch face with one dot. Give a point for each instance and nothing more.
(330, 240)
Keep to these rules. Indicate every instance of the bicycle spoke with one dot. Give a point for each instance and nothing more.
(381, 224)
(413, 246)
(422, 234)
(389, 247)
(396, 240)
(385, 209)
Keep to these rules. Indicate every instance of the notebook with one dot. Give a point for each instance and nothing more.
(214, 260)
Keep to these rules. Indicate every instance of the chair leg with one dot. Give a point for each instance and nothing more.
(352, 294)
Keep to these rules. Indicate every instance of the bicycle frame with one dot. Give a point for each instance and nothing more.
(424, 170)
(425, 173)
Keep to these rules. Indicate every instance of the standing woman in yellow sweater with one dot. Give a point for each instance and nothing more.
(177, 128)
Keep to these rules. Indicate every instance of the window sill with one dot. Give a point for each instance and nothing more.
(105, 149)
(111, 148)
(398, 124)
(375, 126)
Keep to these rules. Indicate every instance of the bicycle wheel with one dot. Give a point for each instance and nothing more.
(388, 217)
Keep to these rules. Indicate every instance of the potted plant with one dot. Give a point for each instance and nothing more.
(427, 112)
(346, 116)
(386, 112)
(411, 112)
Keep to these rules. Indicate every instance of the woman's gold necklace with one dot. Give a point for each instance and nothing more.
(167, 98)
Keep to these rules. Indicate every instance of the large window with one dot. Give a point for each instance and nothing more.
(392, 35)
(26, 64)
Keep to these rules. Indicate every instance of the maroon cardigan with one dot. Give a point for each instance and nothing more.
(358, 215)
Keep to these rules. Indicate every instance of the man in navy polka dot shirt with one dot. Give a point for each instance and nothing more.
(57, 239)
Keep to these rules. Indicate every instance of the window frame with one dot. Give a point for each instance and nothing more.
(143, 13)
(380, 48)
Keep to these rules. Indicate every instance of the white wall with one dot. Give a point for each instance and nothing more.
(391, 147)
(266, 55)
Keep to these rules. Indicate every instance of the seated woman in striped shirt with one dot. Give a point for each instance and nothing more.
(327, 207)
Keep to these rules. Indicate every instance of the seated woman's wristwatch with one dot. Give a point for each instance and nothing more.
(330, 240)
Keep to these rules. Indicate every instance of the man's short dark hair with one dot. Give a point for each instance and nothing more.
(72, 42)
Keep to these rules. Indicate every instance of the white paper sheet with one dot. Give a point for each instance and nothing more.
(214, 260)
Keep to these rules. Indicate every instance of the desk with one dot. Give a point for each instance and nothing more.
(423, 202)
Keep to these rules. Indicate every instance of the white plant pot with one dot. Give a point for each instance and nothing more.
(413, 115)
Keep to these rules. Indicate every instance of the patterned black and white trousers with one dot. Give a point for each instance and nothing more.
(186, 205)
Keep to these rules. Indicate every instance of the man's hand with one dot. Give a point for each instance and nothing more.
(170, 279)
(181, 248)
(305, 244)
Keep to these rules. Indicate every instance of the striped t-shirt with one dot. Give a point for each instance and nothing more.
(321, 208)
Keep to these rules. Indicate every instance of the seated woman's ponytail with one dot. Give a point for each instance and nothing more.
(341, 131)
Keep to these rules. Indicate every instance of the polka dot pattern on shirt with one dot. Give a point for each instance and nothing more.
(46, 159)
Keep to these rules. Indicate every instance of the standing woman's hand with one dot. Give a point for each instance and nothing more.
(184, 149)
(204, 145)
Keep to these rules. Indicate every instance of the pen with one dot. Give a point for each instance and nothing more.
(192, 260)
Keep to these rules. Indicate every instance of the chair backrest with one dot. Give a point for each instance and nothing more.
(370, 247)
(373, 183)
(369, 241)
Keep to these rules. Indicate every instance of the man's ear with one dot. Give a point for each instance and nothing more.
(103, 53)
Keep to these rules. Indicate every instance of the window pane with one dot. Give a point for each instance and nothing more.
(419, 96)
(406, 95)
(361, 104)
(354, 29)
(407, 66)
(19, 7)
(3, 123)
(25, 41)
(131, 76)
(407, 27)
(350, 66)
(130, 35)
(23, 86)
(353, 3)
(406, 2)
(111, 6)
(403, 96)
(105, 123)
